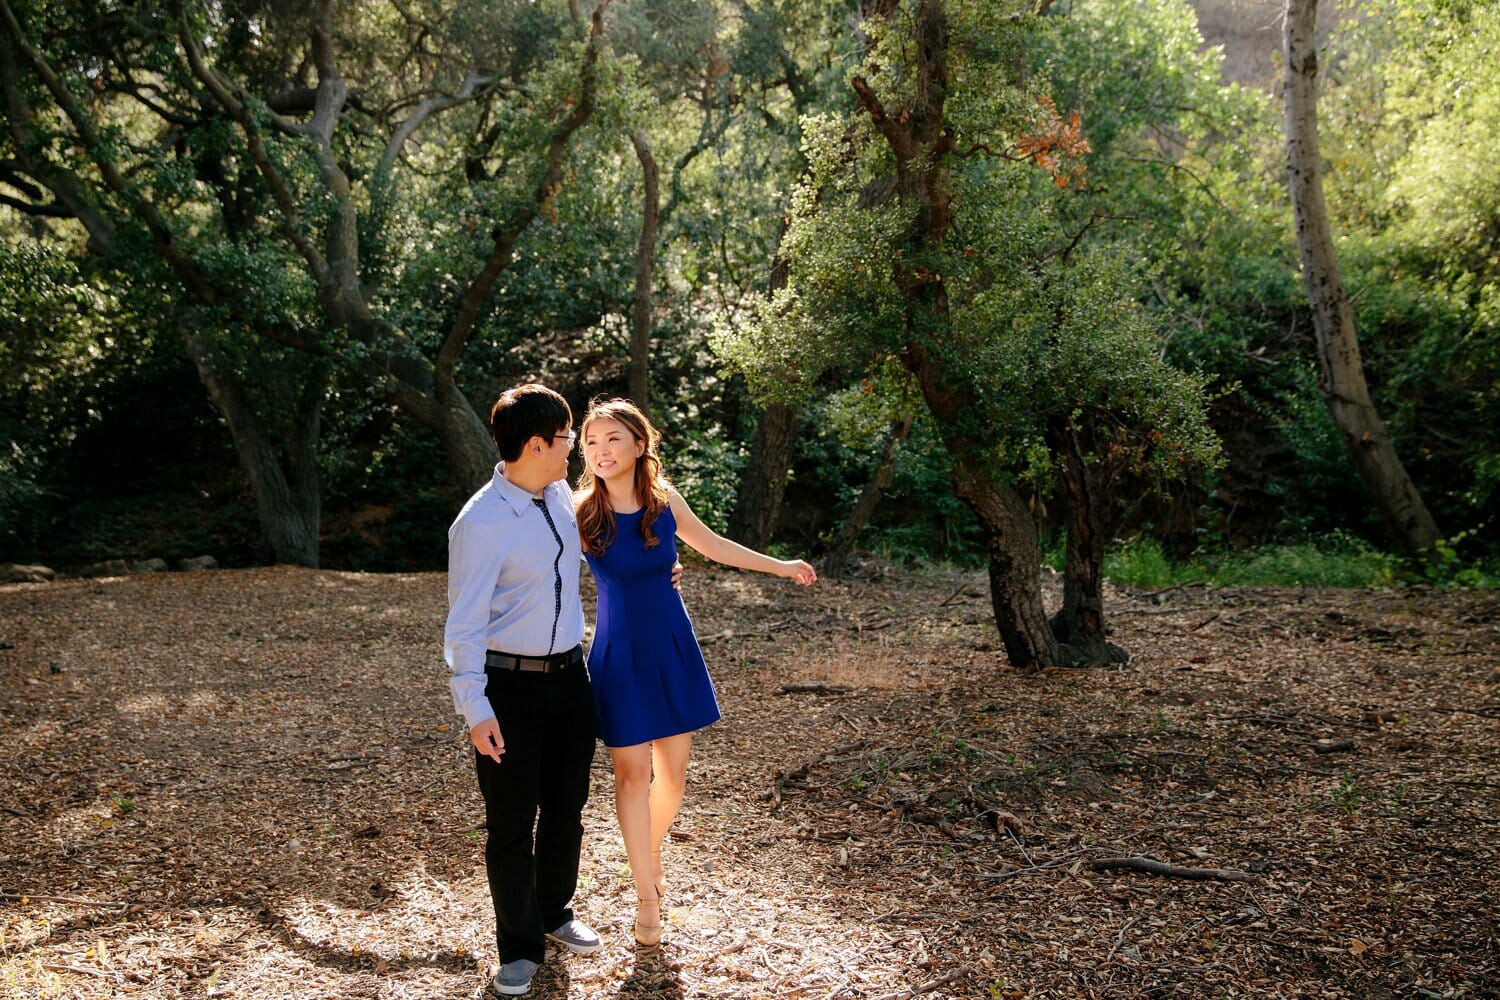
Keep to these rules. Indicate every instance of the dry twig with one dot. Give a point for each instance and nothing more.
(1153, 867)
(929, 986)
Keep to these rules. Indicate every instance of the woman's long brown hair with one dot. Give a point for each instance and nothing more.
(596, 519)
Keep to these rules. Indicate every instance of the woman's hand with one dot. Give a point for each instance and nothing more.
(800, 571)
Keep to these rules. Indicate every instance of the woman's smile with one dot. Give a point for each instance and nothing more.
(610, 448)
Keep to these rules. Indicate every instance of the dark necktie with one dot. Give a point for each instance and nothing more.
(556, 572)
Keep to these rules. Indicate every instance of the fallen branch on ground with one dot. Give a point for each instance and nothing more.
(927, 987)
(15, 897)
(815, 689)
(82, 970)
(1152, 867)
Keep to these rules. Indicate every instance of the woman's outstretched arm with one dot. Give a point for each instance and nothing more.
(721, 550)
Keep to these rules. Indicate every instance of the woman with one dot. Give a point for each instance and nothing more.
(651, 687)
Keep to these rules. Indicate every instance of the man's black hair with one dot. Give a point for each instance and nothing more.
(525, 412)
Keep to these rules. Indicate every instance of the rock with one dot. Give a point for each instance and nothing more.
(18, 573)
(198, 562)
(109, 567)
(149, 566)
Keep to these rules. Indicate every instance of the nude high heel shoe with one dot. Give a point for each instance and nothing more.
(649, 935)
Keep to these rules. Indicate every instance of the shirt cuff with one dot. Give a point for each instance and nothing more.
(476, 711)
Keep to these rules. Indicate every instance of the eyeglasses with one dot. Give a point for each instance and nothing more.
(572, 437)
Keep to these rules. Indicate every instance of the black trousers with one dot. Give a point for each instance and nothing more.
(533, 802)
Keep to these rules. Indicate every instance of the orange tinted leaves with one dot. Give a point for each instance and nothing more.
(1057, 145)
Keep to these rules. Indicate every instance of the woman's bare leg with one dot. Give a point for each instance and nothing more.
(669, 760)
(633, 791)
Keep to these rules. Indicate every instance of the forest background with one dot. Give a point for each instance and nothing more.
(261, 266)
(955, 282)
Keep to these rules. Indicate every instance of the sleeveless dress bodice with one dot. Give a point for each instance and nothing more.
(648, 674)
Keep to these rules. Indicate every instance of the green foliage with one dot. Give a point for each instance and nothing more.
(1168, 238)
(1037, 336)
(1420, 87)
(24, 497)
(1407, 107)
(1336, 561)
(705, 465)
(52, 347)
(1325, 492)
(920, 521)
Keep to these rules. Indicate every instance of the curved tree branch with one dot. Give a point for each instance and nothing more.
(506, 234)
(93, 144)
(899, 139)
(281, 193)
(426, 109)
(68, 191)
(49, 211)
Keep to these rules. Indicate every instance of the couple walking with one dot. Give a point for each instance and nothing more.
(519, 677)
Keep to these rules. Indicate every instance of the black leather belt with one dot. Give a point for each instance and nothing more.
(494, 659)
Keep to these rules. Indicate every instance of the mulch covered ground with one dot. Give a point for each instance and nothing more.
(250, 783)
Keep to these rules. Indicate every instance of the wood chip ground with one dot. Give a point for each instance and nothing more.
(250, 784)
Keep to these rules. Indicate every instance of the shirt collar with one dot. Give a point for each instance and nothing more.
(516, 498)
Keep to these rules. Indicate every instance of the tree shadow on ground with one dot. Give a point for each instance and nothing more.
(654, 976)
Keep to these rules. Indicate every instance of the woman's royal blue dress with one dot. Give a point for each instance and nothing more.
(647, 671)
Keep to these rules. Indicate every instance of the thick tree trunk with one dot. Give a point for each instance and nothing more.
(466, 441)
(645, 265)
(1010, 535)
(1401, 508)
(753, 519)
(1080, 621)
(464, 433)
(288, 501)
(1015, 559)
(837, 556)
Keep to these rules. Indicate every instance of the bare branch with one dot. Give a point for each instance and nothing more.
(131, 89)
(708, 134)
(293, 100)
(429, 107)
(281, 193)
(231, 98)
(1095, 217)
(413, 19)
(12, 172)
(985, 148)
(1153, 867)
(332, 89)
(342, 294)
(51, 211)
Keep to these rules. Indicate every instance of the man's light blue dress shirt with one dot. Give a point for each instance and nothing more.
(509, 586)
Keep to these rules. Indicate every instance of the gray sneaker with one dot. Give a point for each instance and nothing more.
(513, 979)
(576, 936)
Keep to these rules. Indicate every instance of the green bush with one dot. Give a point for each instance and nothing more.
(1140, 562)
(1350, 565)
(1342, 561)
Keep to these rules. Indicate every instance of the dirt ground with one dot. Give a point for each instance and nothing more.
(250, 784)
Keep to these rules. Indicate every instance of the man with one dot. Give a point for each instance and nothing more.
(512, 643)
